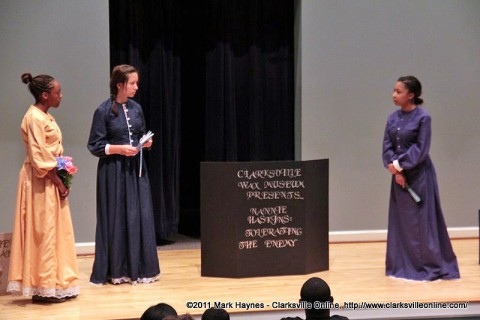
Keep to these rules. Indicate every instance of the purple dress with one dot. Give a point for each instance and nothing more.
(418, 245)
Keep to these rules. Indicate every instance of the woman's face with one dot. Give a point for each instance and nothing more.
(129, 88)
(401, 95)
(54, 97)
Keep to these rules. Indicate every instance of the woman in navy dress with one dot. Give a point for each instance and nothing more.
(418, 245)
(125, 245)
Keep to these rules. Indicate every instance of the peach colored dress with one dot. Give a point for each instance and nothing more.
(43, 258)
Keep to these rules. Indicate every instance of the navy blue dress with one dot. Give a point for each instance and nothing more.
(125, 245)
(418, 245)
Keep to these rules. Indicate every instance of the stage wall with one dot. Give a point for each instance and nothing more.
(348, 55)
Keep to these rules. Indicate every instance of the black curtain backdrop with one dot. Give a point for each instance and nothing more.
(249, 86)
(145, 35)
(216, 84)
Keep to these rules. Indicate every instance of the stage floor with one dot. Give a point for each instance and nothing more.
(356, 275)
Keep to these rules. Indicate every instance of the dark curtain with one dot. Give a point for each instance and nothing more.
(145, 35)
(216, 78)
(249, 86)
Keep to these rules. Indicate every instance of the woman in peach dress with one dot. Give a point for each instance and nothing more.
(43, 261)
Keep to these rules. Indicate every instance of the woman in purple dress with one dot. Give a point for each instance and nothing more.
(418, 245)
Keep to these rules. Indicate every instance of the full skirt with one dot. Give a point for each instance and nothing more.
(43, 259)
(418, 245)
(125, 244)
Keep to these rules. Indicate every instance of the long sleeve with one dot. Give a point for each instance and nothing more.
(43, 142)
(418, 151)
(98, 133)
(388, 147)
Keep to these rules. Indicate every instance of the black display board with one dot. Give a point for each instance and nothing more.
(264, 218)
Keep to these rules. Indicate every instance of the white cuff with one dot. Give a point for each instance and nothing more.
(396, 165)
(107, 149)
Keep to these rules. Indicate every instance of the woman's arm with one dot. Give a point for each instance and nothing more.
(62, 189)
(123, 149)
(417, 152)
(388, 153)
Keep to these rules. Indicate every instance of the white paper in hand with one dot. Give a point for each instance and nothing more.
(144, 139)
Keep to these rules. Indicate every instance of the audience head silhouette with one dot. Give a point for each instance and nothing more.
(159, 312)
(316, 289)
(215, 314)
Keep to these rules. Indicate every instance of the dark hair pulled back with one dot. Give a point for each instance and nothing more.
(38, 84)
(413, 86)
(120, 74)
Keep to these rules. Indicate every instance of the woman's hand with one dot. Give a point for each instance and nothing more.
(129, 151)
(123, 149)
(62, 189)
(400, 179)
(64, 194)
(392, 169)
(148, 144)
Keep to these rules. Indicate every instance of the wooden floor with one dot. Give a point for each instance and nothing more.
(356, 275)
